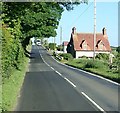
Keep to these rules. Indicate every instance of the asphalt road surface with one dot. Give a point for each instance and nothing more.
(51, 86)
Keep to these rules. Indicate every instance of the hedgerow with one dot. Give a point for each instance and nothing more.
(12, 52)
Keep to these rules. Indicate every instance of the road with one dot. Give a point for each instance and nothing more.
(51, 86)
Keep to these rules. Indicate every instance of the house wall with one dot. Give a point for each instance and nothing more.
(87, 53)
(65, 49)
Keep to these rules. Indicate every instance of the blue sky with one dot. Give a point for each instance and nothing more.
(107, 16)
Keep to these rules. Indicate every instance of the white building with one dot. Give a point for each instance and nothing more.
(82, 44)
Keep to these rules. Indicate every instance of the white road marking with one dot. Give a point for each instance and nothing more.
(58, 73)
(44, 60)
(48, 65)
(101, 109)
(88, 73)
(94, 103)
(52, 68)
(70, 82)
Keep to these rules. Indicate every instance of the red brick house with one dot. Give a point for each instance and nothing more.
(82, 44)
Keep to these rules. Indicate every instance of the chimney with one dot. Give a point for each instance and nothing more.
(74, 30)
(104, 31)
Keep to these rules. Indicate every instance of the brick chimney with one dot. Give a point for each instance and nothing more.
(73, 30)
(104, 31)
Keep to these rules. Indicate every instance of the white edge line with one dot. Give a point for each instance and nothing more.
(87, 72)
(70, 82)
(101, 109)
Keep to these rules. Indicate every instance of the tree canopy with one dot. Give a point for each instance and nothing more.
(118, 49)
(38, 19)
(24, 20)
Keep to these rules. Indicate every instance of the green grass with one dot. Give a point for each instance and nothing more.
(11, 87)
(97, 67)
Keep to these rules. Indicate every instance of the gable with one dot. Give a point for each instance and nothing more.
(86, 40)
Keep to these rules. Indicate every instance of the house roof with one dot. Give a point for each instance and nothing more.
(65, 43)
(79, 38)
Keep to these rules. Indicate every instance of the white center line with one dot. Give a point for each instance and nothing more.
(48, 65)
(70, 82)
(101, 109)
(52, 68)
(58, 73)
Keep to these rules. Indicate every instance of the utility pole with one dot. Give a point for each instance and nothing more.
(54, 43)
(94, 30)
(60, 38)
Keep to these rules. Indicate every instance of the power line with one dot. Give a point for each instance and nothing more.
(82, 13)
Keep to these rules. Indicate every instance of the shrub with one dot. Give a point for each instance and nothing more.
(95, 64)
(54, 54)
(118, 49)
(66, 56)
(60, 48)
(52, 46)
(90, 64)
(102, 56)
(84, 57)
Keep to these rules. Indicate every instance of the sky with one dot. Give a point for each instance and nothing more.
(82, 17)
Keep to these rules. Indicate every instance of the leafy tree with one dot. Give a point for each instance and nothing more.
(118, 49)
(38, 19)
(22, 21)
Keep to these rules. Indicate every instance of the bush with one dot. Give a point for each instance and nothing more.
(102, 56)
(95, 64)
(90, 64)
(118, 49)
(84, 57)
(66, 56)
(52, 46)
(60, 48)
(54, 54)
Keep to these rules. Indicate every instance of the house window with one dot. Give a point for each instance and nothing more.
(101, 46)
(85, 47)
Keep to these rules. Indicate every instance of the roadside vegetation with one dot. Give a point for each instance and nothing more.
(101, 65)
(20, 23)
(11, 87)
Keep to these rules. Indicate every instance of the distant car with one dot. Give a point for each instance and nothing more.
(38, 42)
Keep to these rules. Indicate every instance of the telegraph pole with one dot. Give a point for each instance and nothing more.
(94, 30)
(60, 37)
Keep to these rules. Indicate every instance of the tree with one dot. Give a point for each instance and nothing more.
(118, 49)
(38, 19)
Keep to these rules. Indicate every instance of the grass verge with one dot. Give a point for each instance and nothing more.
(100, 68)
(11, 87)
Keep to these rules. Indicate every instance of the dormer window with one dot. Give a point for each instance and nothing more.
(83, 45)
